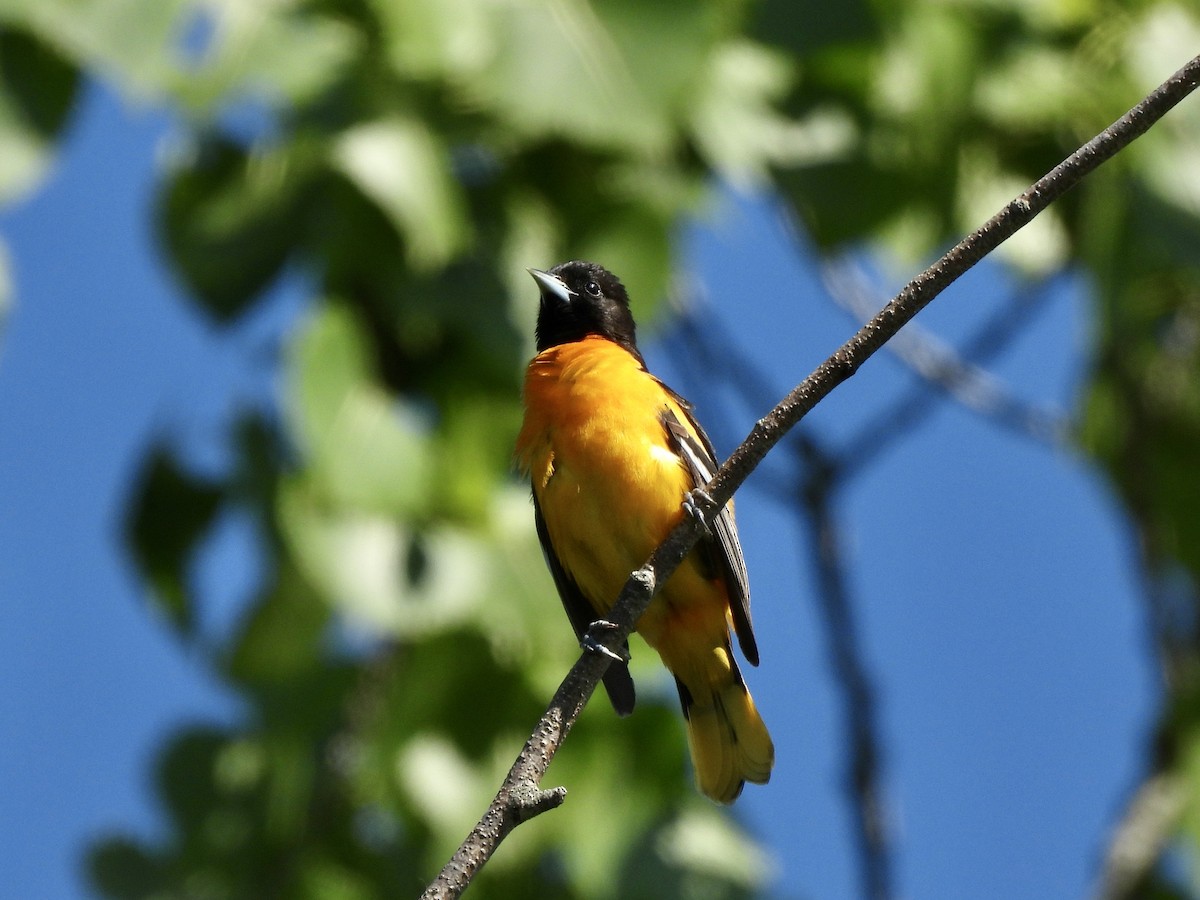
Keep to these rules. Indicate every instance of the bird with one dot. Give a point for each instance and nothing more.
(613, 456)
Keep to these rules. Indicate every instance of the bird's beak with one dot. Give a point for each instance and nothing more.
(551, 285)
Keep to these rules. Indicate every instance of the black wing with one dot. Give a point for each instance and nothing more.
(617, 680)
(724, 546)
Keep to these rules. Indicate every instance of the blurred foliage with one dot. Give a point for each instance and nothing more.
(408, 158)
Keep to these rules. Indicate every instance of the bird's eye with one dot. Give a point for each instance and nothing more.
(592, 288)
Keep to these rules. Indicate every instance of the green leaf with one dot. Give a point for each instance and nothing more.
(846, 200)
(229, 219)
(578, 85)
(131, 40)
(632, 767)
(699, 852)
(1041, 247)
(286, 54)
(666, 72)
(326, 880)
(282, 636)
(1142, 415)
(637, 242)
(736, 120)
(377, 570)
(450, 689)
(40, 83)
(443, 39)
(171, 513)
(1031, 88)
(1189, 775)
(474, 454)
(189, 776)
(125, 870)
(37, 93)
(403, 167)
(365, 450)
(821, 26)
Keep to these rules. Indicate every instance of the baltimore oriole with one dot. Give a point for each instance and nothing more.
(613, 454)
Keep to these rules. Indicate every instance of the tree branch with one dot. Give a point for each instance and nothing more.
(505, 812)
(1140, 836)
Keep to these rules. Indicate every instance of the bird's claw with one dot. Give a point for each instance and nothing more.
(694, 502)
(592, 644)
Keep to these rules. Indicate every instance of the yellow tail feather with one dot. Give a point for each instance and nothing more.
(726, 735)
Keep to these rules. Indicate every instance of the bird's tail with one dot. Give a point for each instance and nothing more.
(726, 735)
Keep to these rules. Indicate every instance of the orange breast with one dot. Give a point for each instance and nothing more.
(609, 485)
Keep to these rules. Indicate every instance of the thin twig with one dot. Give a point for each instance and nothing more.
(505, 812)
(1141, 836)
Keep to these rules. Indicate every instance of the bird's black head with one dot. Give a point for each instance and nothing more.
(581, 299)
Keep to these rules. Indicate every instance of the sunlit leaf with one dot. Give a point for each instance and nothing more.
(363, 564)
(631, 766)
(278, 52)
(133, 41)
(442, 783)
(365, 449)
(442, 689)
(447, 38)
(699, 850)
(578, 85)
(737, 123)
(1041, 247)
(402, 166)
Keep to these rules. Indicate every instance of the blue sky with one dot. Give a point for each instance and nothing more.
(996, 598)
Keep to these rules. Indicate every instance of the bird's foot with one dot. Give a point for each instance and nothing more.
(694, 503)
(591, 640)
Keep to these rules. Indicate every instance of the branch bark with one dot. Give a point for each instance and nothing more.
(1140, 836)
(521, 797)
